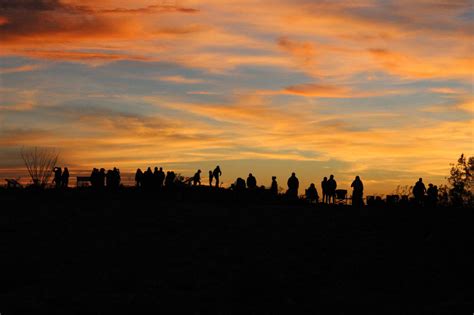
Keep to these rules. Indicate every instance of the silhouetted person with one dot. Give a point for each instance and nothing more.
(274, 186)
(419, 191)
(170, 178)
(216, 174)
(65, 178)
(148, 178)
(101, 178)
(432, 193)
(312, 194)
(197, 178)
(156, 175)
(57, 177)
(331, 189)
(139, 178)
(210, 178)
(94, 179)
(240, 184)
(116, 178)
(357, 192)
(161, 178)
(109, 179)
(324, 188)
(293, 185)
(251, 182)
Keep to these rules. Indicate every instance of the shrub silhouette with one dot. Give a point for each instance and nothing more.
(40, 163)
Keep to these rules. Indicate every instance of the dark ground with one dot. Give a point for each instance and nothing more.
(130, 252)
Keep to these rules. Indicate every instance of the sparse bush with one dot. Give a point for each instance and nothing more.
(40, 163)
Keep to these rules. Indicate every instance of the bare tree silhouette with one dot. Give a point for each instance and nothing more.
(40, 163)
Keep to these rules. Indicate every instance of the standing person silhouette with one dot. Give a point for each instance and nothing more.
(65, 178)
(101, 178)
(274, 187)
(156, 178)
(109, 179)
(117, 179)
(331, 189)
(419, 191)
(324, 189)
(147, 178)
(432, 193)
(161, 178)
(94, 178)
(57, 177)
(138, 178)
(251, 182)
(293, 185)
(216, 174)
(357, 192)
(210, 178)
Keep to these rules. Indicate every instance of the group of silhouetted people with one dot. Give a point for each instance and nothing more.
(101, 178)
(151, 179)
(328, 187)
(215, 175)
(61, 177)
(311, 193)
(423, 195)
(157, 179)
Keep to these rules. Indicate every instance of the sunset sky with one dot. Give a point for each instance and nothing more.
(381, 89)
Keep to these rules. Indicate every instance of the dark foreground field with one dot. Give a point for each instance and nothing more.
(83, 253)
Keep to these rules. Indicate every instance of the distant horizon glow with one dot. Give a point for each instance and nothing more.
(382, 89)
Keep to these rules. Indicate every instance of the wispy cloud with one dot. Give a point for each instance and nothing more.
(23, 68)
(180, 79)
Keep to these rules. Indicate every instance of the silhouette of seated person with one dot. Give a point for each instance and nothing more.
(357, 192)
(274, 187)
(419, 191)
(432, 193)
(331, 189)
(197, 178)
(293, 185)
(57, 177)
(216, 174)
(65, 178)
(138, 178)
(312, 194)
(324, 189)
(251, 182)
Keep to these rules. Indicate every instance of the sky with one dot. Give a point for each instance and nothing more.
(377, 88)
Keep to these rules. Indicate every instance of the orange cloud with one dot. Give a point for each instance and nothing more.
(305, 52)
(19, 107)
(180, 80)
(77, 56)
(24, 68)
(318, 90)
